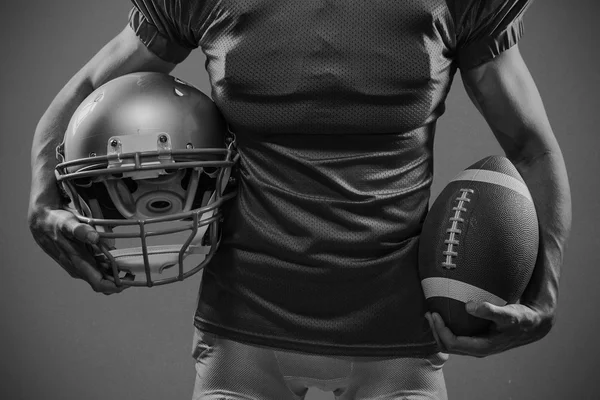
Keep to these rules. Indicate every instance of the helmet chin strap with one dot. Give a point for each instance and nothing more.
(164, 256)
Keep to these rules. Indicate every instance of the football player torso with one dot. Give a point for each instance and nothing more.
(334, 105)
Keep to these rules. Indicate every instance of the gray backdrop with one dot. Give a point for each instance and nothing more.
(60, 340)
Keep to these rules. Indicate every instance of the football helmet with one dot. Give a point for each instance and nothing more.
(144, 157)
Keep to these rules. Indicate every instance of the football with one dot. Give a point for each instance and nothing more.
(479, 243)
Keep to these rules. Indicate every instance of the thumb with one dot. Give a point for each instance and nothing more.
(82, 232)
(86, 233)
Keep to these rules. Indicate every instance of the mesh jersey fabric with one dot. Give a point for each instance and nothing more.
(334, 105)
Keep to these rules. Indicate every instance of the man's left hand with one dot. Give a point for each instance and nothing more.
(512, 326)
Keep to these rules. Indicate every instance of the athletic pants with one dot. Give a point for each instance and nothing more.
(231, 370)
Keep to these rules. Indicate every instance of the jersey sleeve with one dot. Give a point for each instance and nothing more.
(165, 27)
(484, 29)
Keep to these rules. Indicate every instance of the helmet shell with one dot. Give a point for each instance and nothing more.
(147, 156)
(140, 104)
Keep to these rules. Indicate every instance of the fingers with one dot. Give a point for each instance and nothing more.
(467, 345)
(450, 342)
(429, 318)
(72, 228)
(85, 265)
(50, 247)
(66, 240)
(514, 325)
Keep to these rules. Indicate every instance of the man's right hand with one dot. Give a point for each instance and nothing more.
(68, 241)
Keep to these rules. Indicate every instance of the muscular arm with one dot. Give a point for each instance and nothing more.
(506, 95)
(123, 54)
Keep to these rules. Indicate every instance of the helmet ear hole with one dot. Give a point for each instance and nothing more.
(158, 203)
(160, 206)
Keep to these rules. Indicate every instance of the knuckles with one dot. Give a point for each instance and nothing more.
(34, 220)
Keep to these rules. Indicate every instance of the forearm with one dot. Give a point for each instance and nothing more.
(522, 128)
(545, 174)
(49, 134)
(506, 95)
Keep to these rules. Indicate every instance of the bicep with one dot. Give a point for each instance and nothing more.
(124, 54)
(506, 95)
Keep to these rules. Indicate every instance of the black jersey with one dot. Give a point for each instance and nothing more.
(334, 104)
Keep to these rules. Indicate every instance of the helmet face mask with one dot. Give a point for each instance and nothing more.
(148, 157)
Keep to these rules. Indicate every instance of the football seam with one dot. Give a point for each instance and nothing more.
(450, 252)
